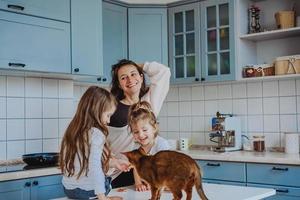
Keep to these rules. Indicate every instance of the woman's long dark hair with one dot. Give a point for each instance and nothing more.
(115, 84)
(76, 142)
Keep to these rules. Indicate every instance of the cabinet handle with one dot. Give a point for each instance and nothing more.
(15, 7)
(202, 79)
(27, 184)
(104, 79)
(214, 164)
(35, 183)
(280, 169)
(282, 190)
(16, 65)
(76, 70)
(196, 79)
(99, 79)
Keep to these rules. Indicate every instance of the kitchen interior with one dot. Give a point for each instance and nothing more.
(234, 98)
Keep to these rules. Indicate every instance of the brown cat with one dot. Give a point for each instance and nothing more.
(171, 169)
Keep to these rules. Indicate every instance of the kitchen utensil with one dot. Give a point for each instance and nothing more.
(184, 144)
(291, 142)
(41, 158)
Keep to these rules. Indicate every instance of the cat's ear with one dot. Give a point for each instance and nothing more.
(127, 154)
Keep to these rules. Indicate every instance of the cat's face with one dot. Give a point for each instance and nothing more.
(143, 132)
(133, 156)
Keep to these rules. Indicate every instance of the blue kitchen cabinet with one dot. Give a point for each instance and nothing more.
(217, 35)
(114, 37)
(86, 29)
(184, 43)
(147, 35)
(34, 44)
(39, 188)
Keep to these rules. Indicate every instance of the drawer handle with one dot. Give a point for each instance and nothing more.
(214, 164)
(35, 183)
(16, 65)
(27, 184)
(15, 7)
(280, 169)
(282, 190)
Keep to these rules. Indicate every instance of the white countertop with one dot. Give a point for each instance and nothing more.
(212, 191)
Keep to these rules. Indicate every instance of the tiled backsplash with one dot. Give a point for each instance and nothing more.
(34, 112)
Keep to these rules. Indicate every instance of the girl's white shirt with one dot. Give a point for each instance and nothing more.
(160, 144)
(121, 140)
(95, 179)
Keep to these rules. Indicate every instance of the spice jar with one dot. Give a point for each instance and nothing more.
(259, 143)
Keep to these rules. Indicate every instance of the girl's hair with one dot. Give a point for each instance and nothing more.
(76, 142)
(142, 111)
(115, 84)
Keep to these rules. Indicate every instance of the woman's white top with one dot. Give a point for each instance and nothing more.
(95, 179)
(121, 140)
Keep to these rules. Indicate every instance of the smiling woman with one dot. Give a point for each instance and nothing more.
(129, 87)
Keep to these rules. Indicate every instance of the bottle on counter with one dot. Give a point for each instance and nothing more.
(259, 143)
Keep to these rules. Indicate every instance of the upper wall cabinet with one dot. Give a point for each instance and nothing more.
(86, 26)
(34, 44)
(114, 37)
(147, 37)
(217, 34)
(46, 8)
(184, 44)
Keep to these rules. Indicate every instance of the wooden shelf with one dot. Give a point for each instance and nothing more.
(276, 77)
(271, 35)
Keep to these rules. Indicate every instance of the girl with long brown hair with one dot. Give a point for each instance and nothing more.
(85, 152)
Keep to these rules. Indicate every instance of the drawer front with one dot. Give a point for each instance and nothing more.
(273, 174)
(286, 193)
(223, 182)
(34, 44)
(227, 171)
(53, 9)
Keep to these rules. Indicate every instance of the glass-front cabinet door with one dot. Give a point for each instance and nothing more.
(218, 40)
(184, 44)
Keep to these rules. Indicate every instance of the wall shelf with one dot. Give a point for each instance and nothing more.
(275, 77)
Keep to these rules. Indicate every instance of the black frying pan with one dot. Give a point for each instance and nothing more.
(41, 159)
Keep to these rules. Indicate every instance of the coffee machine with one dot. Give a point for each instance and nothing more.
(226, 132)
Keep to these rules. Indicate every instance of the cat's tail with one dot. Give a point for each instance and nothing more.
(198, 184)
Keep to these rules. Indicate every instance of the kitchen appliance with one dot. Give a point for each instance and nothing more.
(41, 159)
(226, 132)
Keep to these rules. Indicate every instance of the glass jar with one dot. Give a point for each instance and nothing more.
(259, 143)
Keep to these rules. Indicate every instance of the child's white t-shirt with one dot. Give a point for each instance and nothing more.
(160, 144)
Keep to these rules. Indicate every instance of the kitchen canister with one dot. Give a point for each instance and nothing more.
(184, 144)
(291, 142)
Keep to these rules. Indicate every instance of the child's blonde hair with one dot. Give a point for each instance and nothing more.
(142, 111)
(94, 102)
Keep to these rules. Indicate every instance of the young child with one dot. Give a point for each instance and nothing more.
(144, 127)
(85, 153)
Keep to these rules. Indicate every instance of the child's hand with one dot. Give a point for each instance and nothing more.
(122, 165)
(141, 187)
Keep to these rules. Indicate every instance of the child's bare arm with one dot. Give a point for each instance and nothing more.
(139, 185)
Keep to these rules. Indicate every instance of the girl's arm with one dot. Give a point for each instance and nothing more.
(139, 185)
(120, 164)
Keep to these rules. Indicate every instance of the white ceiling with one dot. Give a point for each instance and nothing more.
(149, 1)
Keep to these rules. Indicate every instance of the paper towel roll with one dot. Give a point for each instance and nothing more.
(291, 142)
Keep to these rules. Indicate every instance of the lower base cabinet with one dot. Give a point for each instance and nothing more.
(39, 188)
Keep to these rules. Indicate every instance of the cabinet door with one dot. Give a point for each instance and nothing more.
(53, 9)
(47, 187)
(184, 44)
(36, 44)
(147, 30)
(19, 189)
(86, 25)
(114, 37)
(217, 34)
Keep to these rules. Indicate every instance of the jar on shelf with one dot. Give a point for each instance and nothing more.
(259, 143)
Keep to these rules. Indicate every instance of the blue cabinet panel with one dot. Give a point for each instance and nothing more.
(147, 30)
(273, 174)
(227, 171)
(12, 190)
(48, 187)
(223, 182)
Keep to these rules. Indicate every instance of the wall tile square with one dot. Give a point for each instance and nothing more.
(185, 93)
(239, 106)
(33, 146)
(288, 123)
(50, 88)
(15, 129)
(244, 123)
(197, 108)
(173, 108)
(185, 124)
(62, 126)
(65, 89)
(15, 149)
(173, 94)
(287, 87)
(33, 129)
(66, 108)
(272, 139)
(15, 86)
(270, 88)
(2, 86)
(50, 108)
(298, 87)
(77, 92)
(33, 87)
(163, 111)
(185, 108)
(211, 107)
(225, 106)
(50, 128)
(173, 123)
(271, 123)
(298, 104)
(2, 129)
(163, 124)
(271, 105)
(185, 135)
(255, 106)
(210, 92)
(239, 90)
(198, 93)
(2, 107)
(50, 145)
(15, 108)
(255, 123)
(287, 105)
(173, 135)
(2, 151)
(224, 91)
(207, 124)
(254, 89)
(33, 108)
(198, 124)
(198, 138)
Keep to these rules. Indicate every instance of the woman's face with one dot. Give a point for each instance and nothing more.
(130, 80)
